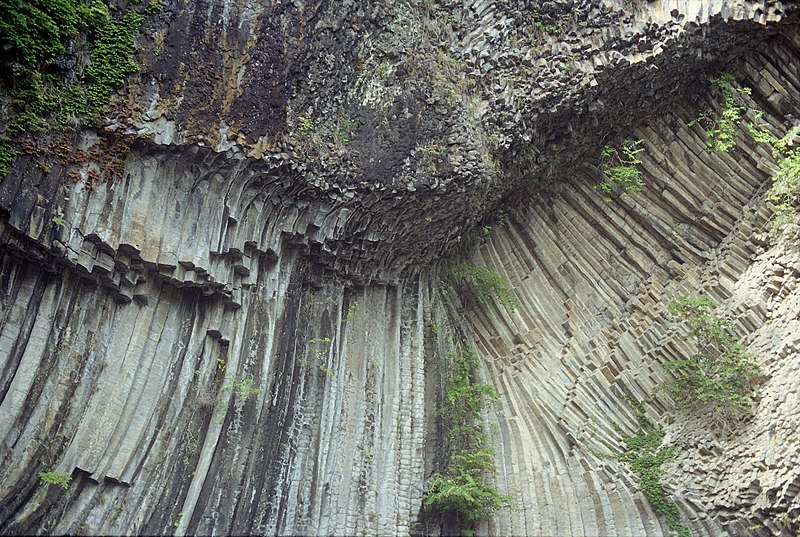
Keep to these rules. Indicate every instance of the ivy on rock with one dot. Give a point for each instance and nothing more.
(47, 91)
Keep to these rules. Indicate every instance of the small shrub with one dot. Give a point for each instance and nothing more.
(321, 348)
(55, 478)
(342, 130)
(353, 312)
(484, 283)
(433, 149)
(720, 379)
(720, 127)
(305, 126)
(243, 388)
(622, 176)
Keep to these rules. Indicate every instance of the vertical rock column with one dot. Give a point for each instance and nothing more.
(593, 280)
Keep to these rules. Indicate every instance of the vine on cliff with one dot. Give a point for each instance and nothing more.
(462, 487)
(785, 189)
(44, 96)
(720, 128)
(645, 453)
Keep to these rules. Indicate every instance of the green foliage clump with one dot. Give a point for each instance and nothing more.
(720, 379)
(322, 346)
(7, 156)
(112, 58)
(622, 176)
(45, 96)
(324, 136)
(785, 189)
(484, 283)
(462, 488)
(645, 454)
(721, 126)
(55, 478)
(720, 130)
(243, 388)
(36, 31)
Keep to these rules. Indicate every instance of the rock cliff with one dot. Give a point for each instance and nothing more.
(242, 330)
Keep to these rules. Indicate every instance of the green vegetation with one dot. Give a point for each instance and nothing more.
(38, 30)
(353, 312)
(462, 488)
(305, 126)
(334, 133)
(7, 156)
(242, 387)
(484, 283)
(645, 454)
(622, 176)
(721, 127)
(44, 95)
(720, 379)
(433, 149)
(785, 189)
(112, 58)
(322, 345)
(55, 478)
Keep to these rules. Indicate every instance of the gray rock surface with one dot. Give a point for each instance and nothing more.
(240, 248)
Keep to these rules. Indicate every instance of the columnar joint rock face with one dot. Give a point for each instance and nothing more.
(275, 228)
(592, 331)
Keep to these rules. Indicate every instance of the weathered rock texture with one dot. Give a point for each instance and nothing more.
(297, 170)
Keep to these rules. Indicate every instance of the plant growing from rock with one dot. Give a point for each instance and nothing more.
(785, 189)
(322, 345)
(482, 282)
(242, 387)
(620, 170)
(55, 478)
(720, 127)
(720, 379)
(462, 487)
(645, 452)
